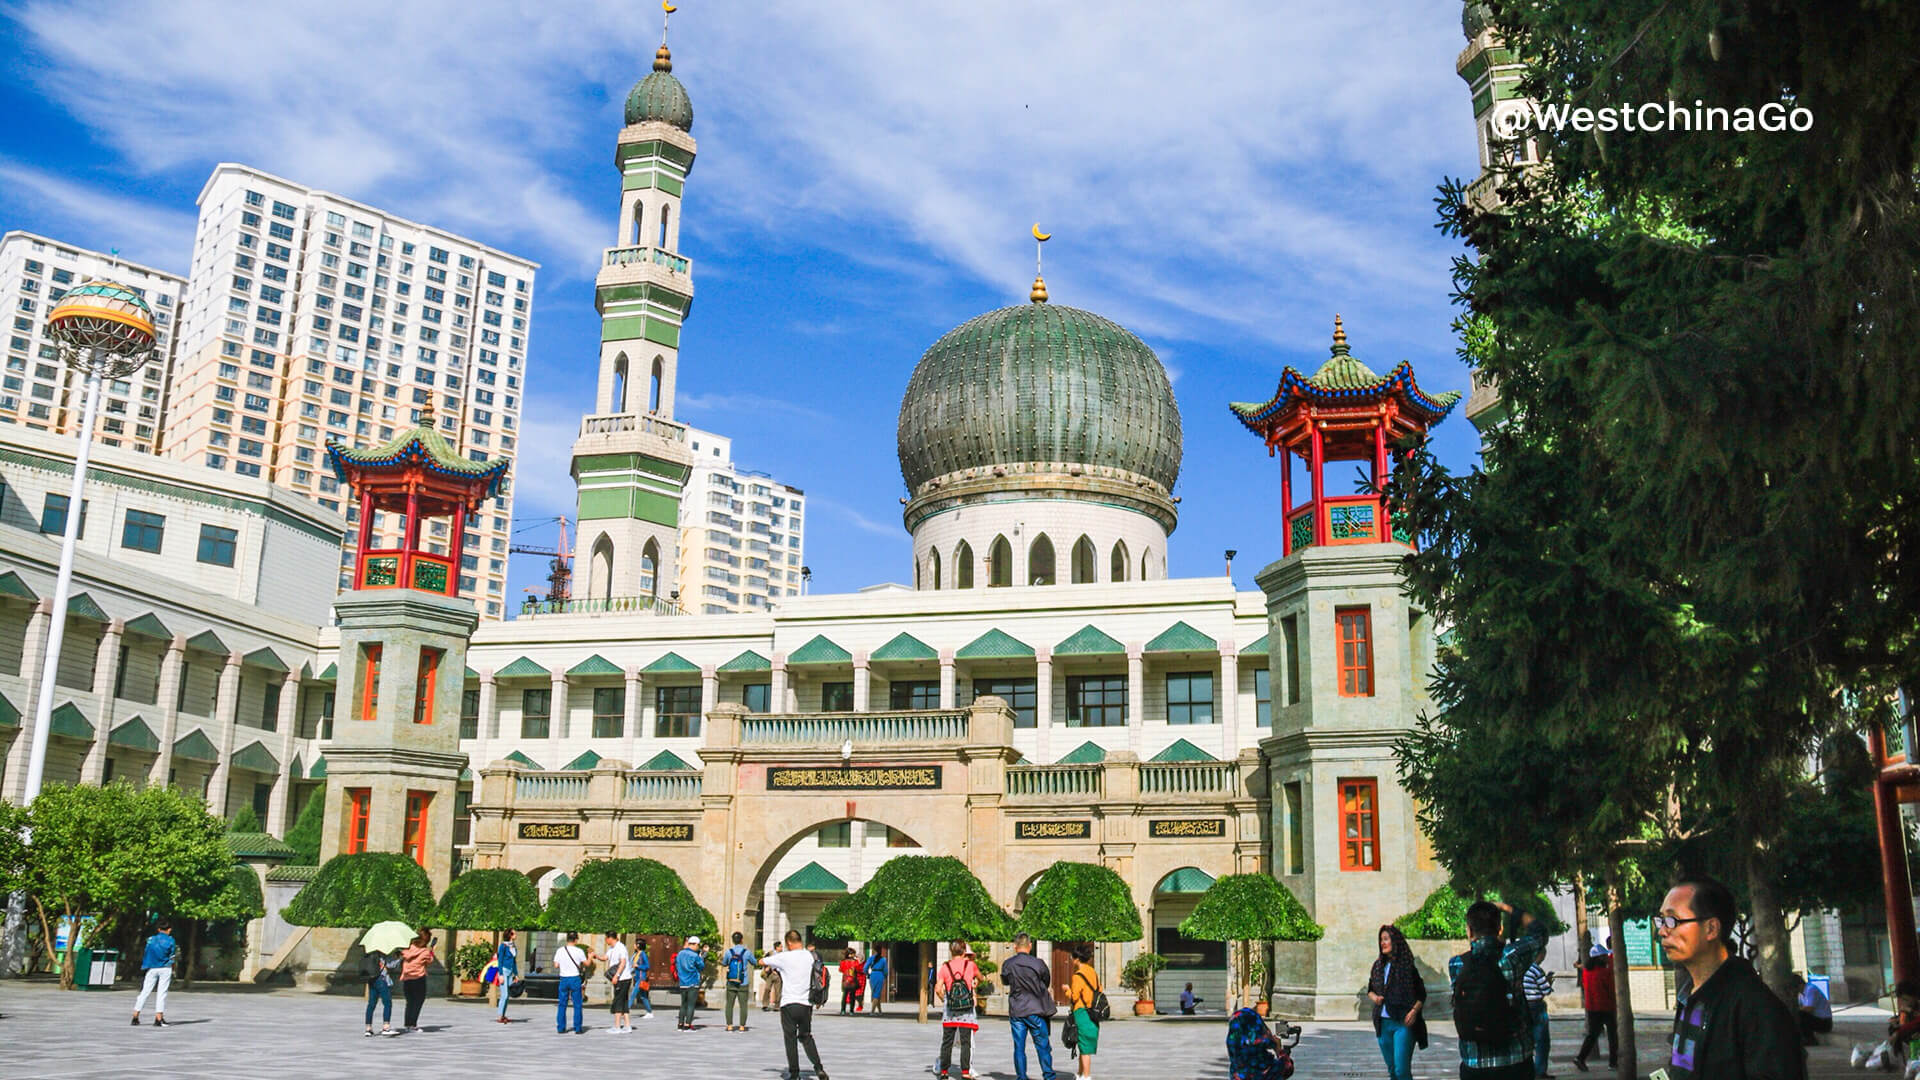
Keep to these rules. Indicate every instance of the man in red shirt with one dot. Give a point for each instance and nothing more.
(1596, 997)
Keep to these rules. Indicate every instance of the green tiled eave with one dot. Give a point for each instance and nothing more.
(9, 716)
(905, 647)
(521, 759)
(69, 721)
(1258, 648)
(12, 585)
(1187, 879)
(582, 763)
(1085, 754)
(667, 761)
(257, 845)
(520, 668)
(293, 874)
(256, 758)
(83, 606)
(747, 661)
(195, 746)
(1089, 641)
(1182, 750)
(149, 625)
(208, 641)
(268, 659)
(319, 770)
(1180, 638)
(331, 674)
(134, 735)
(671, 664)
(820, 650)
(595, 665)
(813, 878)
(994, 645)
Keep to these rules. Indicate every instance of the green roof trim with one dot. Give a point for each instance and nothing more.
(258, 845)
(747, 661)
(671, 664)
(256, 757)
(83, 606)
(466, 774)
(331, 674)
(521, 759)
(819, 651)
(667, 761)
(423, 445)
(292, 874)
(1182, 750)
(319, 770)
(69, 721)
(582, 763)
(195, 746)
(266, 658)
(1086, 753)
(521, 668)
(297, 770)
(813, 878)
(906, 647)
(1258, 648)
(994, 645)
(208, 641)
(1181, 638)
(149, 625)
(471, 675)
(11, 584)
(134, 735)
(595, 665)
(1089, 641)
(9, 716)
(1187, 879)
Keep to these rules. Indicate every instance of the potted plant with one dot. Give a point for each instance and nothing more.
(1257, 971)
(1138, 975)
(469, 961)
(985, 989)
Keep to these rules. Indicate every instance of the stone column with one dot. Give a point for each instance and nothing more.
(1136, 698)
(709, 690)
(287, 720)
(947, 694)
(106, 665)
(862, 682)
(31, 663)
(1043, 704)
(557, 706)
(169, 693)
(777, 690)
(489, 707)
(226, 711)
(1230, 698)
(631, 714)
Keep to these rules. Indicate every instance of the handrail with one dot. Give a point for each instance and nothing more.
(1054, 780)
(833, 729)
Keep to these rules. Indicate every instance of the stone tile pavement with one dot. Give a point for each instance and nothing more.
(225, 1032)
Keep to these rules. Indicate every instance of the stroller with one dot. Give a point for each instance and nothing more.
(1252, 1051)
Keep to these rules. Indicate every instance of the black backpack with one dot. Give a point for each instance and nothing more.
(959, 993)
(1487, 1007)
(370, 964)
(1099, 1008)
(817, 992)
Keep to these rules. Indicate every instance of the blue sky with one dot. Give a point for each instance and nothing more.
(1219, 178)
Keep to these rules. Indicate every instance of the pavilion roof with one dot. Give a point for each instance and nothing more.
(422, 447)
(1344, 381)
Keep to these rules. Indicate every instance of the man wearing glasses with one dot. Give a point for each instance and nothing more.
(1728, 1025)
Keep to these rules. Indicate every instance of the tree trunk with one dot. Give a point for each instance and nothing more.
(1628, 1054)
(921, 977)
(1581, 933)
(1772, 954)
(193, 946)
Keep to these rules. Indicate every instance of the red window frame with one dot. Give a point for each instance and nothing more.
(414, 841)
(370, 681)
(359, 806)
(1360, 824)
(1355, 626)
(426, 681)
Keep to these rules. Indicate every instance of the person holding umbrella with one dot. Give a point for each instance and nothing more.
(380, 966)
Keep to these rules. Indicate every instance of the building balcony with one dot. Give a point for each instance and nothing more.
(641, 264)
(623, 256)
(605, 605)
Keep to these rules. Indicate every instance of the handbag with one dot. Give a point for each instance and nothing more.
(490, 976)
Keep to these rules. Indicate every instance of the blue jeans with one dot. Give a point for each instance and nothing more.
(640, 997)
(569, 988)
(1042, 1035)
(1540, 1032)
(381, 991)
(1396, 1046)
(506, 992)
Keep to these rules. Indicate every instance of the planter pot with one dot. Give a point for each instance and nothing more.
(1143, 1007)
(472, 988)
(1261, 1008)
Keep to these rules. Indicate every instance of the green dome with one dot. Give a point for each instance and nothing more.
(660, 97)
(1475, 17)
(1039, 383)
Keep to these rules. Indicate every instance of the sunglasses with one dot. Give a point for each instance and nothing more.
(1668, 922)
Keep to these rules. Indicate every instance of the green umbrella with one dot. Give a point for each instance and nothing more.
(389, 936)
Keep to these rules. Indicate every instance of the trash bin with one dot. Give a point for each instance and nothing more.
(82, 961)
(101, 971)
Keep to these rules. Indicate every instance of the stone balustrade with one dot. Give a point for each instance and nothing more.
(830, 730)
(1190, 778)
(1045, 781)
(642, 423)
(664, 786)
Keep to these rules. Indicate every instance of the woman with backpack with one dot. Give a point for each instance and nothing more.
(1083, 992)
(1399, 997)
(378, 969)
(959, 1017)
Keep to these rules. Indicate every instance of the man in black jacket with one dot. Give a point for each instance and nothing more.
(1728, 1025)
(1029, 1003)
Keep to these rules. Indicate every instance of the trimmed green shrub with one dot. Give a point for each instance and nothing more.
(1250, 907)
(304, 837)
(627, 896)
(489, 900)
(917, 898)
(1443, 916)
(1076, 901)
(362, 889)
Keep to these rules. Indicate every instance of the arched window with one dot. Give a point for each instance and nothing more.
(639, 220)
(963, 566)
(917, 578)
(1040, 561)
(653, 394)
(1118, 563)
(600, 577)
(935, 560)
(620, 383)
(1084, 561)
(649, 567)
(1000, 563)
(665, 210)
(1146, 565)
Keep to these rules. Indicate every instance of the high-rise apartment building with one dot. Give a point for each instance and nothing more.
(740, 533)
(37, 388)
(311, 317)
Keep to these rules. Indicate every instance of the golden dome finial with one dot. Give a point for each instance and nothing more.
(1339, 337)
(1039, 293)
(662, 59)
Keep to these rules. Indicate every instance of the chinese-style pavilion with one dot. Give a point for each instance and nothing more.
(1343, 412)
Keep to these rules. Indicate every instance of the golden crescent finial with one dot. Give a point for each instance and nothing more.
(668, 8)
(1040, 236)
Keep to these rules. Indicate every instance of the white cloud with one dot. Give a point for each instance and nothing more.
(892, 530)
(99, 218)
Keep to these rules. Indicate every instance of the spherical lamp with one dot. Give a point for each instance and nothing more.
(103, 328)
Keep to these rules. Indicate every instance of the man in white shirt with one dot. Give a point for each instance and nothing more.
(620, 974)
(570, 963)
(795, 967)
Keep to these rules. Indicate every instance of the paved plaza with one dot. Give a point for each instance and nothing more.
(221, 1033)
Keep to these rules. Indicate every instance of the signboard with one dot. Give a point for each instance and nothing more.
(1053, 830)
(674, 833)
(1186, 828)
(548, 830)
(855, 778)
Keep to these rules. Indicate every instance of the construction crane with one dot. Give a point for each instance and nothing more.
(560, 571)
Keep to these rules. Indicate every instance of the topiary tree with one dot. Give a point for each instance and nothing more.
(627, 896)
(489, 900)
(1244, 908)
(304, 837)
(1076, 901)
(919, 898)
(356, 891)
(1443, 916)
